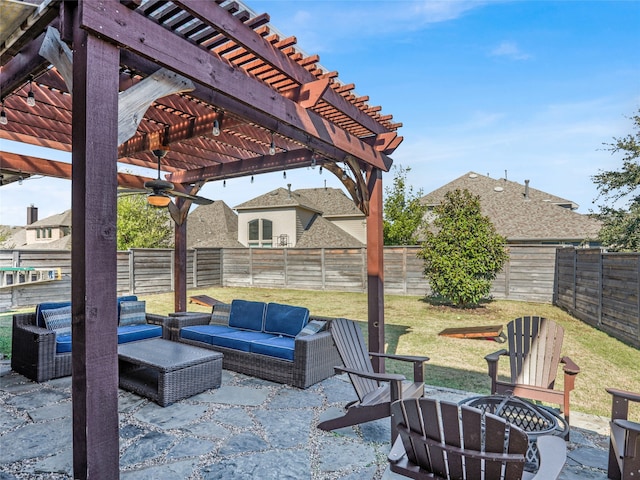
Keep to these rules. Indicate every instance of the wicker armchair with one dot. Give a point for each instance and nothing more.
(33, 348)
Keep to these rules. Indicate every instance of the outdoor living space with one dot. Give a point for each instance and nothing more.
(247, 429)
(254, 428)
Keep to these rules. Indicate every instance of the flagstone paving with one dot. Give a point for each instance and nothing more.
(246, 429)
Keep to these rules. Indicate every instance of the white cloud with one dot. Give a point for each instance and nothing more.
(509, 50)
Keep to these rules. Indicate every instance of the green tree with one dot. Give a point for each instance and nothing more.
(403, 211)
(141, 225)
(463, 253)
(619, 189)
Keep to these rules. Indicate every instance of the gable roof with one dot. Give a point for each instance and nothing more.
(59, 220)
(212, 226)
(520, 213)
(332, 202)
(321, 232)
(280, 197)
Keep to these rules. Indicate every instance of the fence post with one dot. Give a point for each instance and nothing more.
(323, 268)
(600, 286)
(574, 286)
(194, 268)
(132, 272)
(285, 261)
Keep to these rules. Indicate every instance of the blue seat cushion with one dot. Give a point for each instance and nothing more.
(238, 340)
(47, 306)
(131, 333)
(63, 343)
(285, 320)
(203, 333)
(247, 315)
(280, 347)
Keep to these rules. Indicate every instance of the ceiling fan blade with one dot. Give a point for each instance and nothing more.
(194, 198)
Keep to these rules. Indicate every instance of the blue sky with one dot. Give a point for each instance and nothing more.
(533, 88)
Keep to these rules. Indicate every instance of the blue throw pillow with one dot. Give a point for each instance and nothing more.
(40, 309)
(247, 315)
(132, 313)
(285, 320)
(58, 319)
(314, 326)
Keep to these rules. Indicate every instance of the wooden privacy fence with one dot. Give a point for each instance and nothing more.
(529, 274)
(601, 289)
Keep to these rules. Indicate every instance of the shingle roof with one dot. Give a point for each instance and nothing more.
(322, 233)
(59, 220)
(536, 216)
(212, 226)
(280, 197)
(332, 202)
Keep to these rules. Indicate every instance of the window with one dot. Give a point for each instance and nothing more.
(260, 233)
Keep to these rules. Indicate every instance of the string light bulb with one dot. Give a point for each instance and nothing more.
(216, 128)
(272, 147)
(251, 178)
(320, 170)
(224, 183)
(3, 116)
(31, 98)
(284, 174)
(313, 162)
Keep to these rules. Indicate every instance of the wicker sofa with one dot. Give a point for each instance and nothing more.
(41, 353)
(276, 342)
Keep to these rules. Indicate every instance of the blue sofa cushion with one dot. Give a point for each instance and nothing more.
(203, 333)
(238, 340)
(47, 306)
(131, 333)
(285, 320)
(58, 319)
(132, 313)
(247, 315)
(280, 347)
(63, 343)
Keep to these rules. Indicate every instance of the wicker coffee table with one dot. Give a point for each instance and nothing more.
(166, 371)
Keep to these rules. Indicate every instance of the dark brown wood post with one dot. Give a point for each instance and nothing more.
(375, 267)
(180, 261)
(93, 257)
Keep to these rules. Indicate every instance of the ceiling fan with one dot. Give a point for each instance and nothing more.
(160, 191)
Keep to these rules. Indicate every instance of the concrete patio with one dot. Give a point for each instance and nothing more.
(247, 429)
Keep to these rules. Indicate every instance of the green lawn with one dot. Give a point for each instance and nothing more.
(412, 327)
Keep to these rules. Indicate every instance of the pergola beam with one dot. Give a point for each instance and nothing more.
(255, 166)
(50, 168)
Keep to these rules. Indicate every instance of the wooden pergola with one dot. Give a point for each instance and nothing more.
(113, 81)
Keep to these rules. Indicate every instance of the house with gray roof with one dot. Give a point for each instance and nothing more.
(51, 233)
(521, 213)
(214, 225)
(317, 217)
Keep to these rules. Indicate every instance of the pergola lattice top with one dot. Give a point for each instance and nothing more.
(259, 88)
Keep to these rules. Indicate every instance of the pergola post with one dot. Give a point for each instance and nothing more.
(375, 267)
(180, 260)
(93, 257)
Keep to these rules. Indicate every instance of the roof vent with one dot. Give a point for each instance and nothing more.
(473, 175)
(498, 189)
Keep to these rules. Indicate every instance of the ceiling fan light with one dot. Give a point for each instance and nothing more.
(158, 199)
